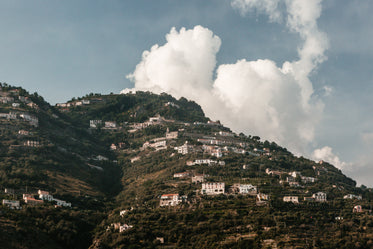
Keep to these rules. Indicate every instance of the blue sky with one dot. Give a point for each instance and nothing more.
(65, 49)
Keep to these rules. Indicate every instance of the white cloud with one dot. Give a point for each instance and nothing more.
(269, 7)
(182, 67)
(326, 154)
(256, 97)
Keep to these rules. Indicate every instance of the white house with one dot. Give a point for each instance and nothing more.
(94, 123)
(225, 134)
(169, 200)
(124, 227)
(295, 174)
(352, 196)
(185, 149)
(86, 102)
(247, 189)
(44, 195)
(181, 175)
(62, 203)
(11, 204)
(30, 143)
(293, 199)
(213, 188)
(206, 161)
(123, 212)
(308, 179)
(319, 196)
(110, 124)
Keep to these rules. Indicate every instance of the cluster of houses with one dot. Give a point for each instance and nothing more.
(30, 199)
(171, 200)
(96, 123)
(219, 147)
(316, 197)
(31, 119)
(12, 97)
(196, 178)
(208, 188)
(292, 177)
(156, 120)
(119, 227)
(74, 103)
(209, 162)
(161, 142)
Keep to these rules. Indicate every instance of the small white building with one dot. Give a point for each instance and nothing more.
(293, 199)
(213, 188)
(62, 203)
(181, 175)
(205, 161)
(295, 174)
(110, 124)
(30, 143)
(12, 204)
(169, 200)
(225, 134)
(319, 196)
(86, 102)
(308, 179)
(352, 196)
(44, 195)
(124, 227)
(247, 189)
(101, 158)
(185, 149)
(123, 212)
(94, 123)
(23, 132)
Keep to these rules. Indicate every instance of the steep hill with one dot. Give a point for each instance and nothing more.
(144, 171)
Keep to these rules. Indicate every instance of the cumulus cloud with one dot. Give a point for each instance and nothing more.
(326, 154)
(258, 97)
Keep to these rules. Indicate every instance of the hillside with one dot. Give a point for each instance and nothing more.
(144, 171)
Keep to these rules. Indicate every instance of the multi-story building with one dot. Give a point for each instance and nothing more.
(319, 196)
(213, 188)
(169, 200)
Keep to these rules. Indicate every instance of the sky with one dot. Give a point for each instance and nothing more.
(297, 72)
